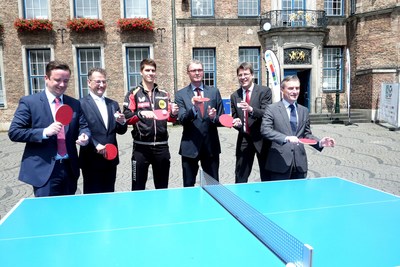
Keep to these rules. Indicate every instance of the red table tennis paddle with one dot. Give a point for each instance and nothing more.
(111, 152)
(64, 114)
(201, 99)
(307, 141)
(226, 120)
(161, 114)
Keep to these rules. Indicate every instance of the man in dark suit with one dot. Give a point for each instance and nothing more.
(284, 123)
(200, 140)
(105, 122)
(248, 104)
(50, 159)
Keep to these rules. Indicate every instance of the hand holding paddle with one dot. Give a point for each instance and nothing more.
(111, 152)
(64, 114)
(161, 114)
(226, 120)
(328, 142)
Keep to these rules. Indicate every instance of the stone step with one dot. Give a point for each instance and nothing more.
(340, 118)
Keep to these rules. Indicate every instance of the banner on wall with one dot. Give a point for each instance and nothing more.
(274, 70)
(389, 104)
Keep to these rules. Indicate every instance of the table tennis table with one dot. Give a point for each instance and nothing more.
(346, 224)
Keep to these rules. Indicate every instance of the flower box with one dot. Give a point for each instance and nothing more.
(85, 25)
(33, 25)
(135, 24)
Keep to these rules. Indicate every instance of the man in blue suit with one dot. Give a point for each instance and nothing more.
(105, 122)
(50, 171)
(200, 140)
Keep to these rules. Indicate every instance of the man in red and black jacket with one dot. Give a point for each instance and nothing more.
(150, 134)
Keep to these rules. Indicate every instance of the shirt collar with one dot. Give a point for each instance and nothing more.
(51, 97)
(194, 87)
(95, 97)
(250, 89)
(287, 104)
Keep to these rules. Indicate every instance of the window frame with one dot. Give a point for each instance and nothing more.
(331, 68)
(81, 77)
(197, 14)
(210, 74)
(257, 68)
(76, 15)
(40, 77)
(142, 15)
(34, 14)
(257, 13)
(327, 8)
(135, 74)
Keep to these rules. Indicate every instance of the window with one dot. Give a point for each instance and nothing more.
(87, 58)
(37, 61)
(36, 9)
(333, 7)
(330, 72)
(352, 7)
(134, 55)
(248, 8)
(290, 12)
(252, 56)
(202, 8)
(86, 9)
(207, 57)
(136, 9)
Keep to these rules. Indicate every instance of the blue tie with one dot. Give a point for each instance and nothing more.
(293, 119)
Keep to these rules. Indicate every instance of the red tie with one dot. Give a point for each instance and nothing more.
(201, 105)
(61, 147)
(246, 112)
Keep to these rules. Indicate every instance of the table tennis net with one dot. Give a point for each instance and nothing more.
(280, 242)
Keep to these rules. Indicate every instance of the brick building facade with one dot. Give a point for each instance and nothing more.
(221, 34)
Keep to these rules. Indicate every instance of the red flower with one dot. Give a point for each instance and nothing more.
(85, 25)
(132, 24)
(33, 25)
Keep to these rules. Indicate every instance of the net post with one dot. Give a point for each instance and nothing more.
(307, 255)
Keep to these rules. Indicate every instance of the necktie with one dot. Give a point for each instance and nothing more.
(247, 113)
(198, 91)
(61, 147)
(201, 105)
(293, 119)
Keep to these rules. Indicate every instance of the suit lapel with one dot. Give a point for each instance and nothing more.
(96, 110)
(47, 108)
(282, 110)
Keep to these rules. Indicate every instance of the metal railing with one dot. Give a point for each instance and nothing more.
(294, 18)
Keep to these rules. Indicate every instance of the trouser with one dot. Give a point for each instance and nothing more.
(61, 181)
(190, 167)
(158, 157)
(99, 179)
(245, 152)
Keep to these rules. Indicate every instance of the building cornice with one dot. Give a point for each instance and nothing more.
(218, 22)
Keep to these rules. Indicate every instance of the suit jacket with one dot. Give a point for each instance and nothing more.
(261, 96)
(88, 155)
(199, 132)
(275, 127)
(33, 114)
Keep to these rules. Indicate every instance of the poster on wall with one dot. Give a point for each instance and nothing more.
(274, 70)
(389, 104)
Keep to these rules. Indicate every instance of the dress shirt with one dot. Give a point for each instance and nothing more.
(101, 105)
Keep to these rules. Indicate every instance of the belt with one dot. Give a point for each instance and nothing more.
(151, 143)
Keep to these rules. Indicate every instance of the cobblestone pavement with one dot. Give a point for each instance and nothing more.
(366, 153)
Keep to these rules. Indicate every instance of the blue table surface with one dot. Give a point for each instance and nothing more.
(347, 225)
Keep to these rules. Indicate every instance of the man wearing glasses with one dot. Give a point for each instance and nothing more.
(199, 109)
(248, 104)
(105, 122)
